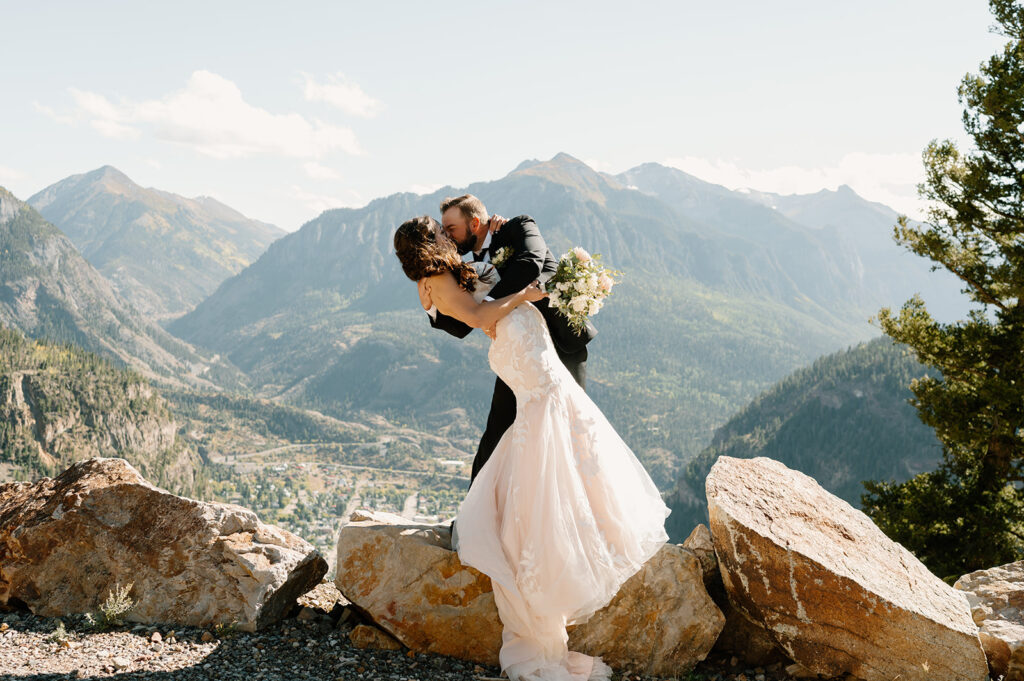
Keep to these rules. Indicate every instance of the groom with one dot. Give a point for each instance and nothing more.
(519, 254)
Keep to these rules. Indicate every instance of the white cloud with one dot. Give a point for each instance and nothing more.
(153, 163)
(9, 174)
(425, 188)
(318, 203)
(210, 116)
(598, 165)
(103, 116)
(320, 172)
(53, 115)
(340, 92)
(886, 178)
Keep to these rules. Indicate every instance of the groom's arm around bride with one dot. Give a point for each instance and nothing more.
(527, 259)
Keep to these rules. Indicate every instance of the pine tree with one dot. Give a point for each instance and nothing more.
(969, 514)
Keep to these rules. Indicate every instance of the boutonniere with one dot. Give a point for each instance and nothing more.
(502, 256)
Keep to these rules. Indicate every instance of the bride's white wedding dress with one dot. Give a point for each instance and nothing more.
(561, 514)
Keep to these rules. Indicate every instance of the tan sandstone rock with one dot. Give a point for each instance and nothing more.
(996, 596)
(701, 545)
(662, 622)
(66, 542)
(837, 594)
(741, 637)
(406, 578)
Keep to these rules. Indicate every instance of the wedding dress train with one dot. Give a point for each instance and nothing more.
(561, 514)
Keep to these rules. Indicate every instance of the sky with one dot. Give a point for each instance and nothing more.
(284, 110)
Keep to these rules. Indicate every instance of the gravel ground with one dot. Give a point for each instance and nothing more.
(312, 645)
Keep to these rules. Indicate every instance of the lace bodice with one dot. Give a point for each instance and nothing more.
(523, 355)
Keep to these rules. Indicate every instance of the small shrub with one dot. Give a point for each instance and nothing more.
(222, 630)
(59, 634)
(112, 610)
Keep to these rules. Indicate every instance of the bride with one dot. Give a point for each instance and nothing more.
(562, 513)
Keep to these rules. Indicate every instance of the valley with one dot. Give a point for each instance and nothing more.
(301, 379)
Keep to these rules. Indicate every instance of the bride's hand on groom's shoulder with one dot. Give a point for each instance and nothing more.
(424, 290)
(495, 223)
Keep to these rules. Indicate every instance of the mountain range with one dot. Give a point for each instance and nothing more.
(722, 296)
(724, 293)
(49, 291)
(857, 235)
(162, 252)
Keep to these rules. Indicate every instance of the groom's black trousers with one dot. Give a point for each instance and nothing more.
(503, 408)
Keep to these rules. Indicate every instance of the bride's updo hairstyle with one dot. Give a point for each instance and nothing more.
(425, 250)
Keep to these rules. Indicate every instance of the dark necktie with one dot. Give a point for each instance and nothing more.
(477, 257)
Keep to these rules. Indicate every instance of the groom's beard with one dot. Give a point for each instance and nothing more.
(466, 245)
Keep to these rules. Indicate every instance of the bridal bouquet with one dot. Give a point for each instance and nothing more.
(579, 286)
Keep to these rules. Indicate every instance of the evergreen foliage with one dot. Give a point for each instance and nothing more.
(969, 513)
(841, 420)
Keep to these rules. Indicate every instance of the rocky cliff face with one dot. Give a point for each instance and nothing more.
(48, 290)
(59, 405)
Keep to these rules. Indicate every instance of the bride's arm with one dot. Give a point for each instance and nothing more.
(454, 301)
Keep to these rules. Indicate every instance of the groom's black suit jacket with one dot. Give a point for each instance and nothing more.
(530, 259)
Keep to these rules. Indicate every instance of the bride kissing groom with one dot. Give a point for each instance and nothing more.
(516, 249)
(559, 512)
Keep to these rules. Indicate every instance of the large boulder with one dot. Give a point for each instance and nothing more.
(406, 578)
(65, 543)
(409, 581)
(741, 637)
(996, 596)
(662, 622)
(838, 595)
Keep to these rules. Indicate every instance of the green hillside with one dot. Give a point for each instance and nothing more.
(49, 291)
(842, 420)
(60, 404)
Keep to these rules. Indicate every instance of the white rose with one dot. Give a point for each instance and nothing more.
(579, 304)
(581, 255)
(595, 307)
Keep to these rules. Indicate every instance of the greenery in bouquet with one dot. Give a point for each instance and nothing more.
(580, 285)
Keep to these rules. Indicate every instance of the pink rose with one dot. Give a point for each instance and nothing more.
(581, 255)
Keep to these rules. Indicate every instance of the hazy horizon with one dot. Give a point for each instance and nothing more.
(283, 114)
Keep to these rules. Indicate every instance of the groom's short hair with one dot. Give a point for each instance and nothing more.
(470, 206)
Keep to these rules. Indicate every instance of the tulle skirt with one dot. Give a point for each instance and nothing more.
(559, 517)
